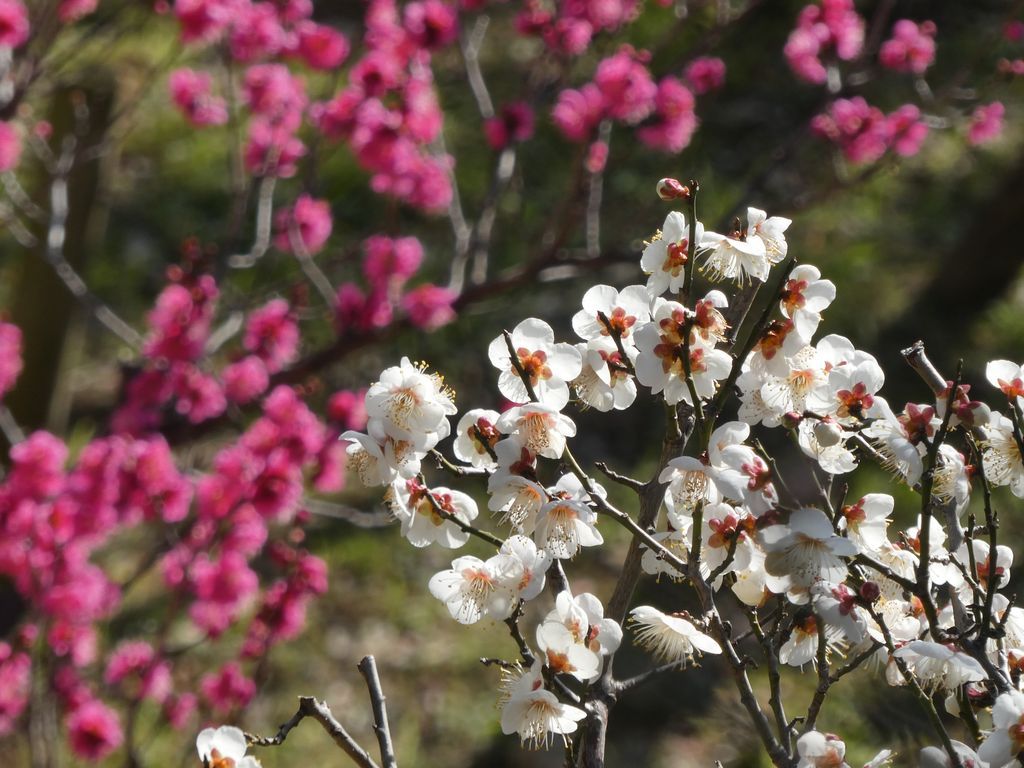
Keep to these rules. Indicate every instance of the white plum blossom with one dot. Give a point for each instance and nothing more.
(1008, 378)
(1006, 741)
(475, 438)
(409, 404)
(677, 542)
(473, 589)
(849, 392)
(523, 566)
(519, 498)
(535, 713)
(549, 367)
(664, 258)
(604, 382)
(747, 253)
(806, 549)
(670, 637)
(539, 428)
(1002, 455)
(802, 645)
(936, 665)
(625, 310)
(583, 616)
(900, 439)
(567, 654)
(709, 324)
(661, 364)
(419, 508)
(364, 456)
(865, 521)
(771, 230)
(821, 750)
(224, 747)
(804, 297)
(565, 525)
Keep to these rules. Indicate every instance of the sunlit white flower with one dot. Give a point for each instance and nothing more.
(661, 364)
(522, 566)
(725, 536)
(938, 666)
(807, 549)
(535, 713)
(771, 230)
(802, 645)
(547, 366)
(419, 510)
(664, 258)
(1008, 378)
(565, 525)
(744, 253)
(1007, 738)
(539, 428)
(866, 521)
(833, 457)
(709, 325)
(836, 605)
(518, 498)
(804, 297)
(476, 436)
(1003, 463)
(821, 750)
(565, 654)
(900, 439)
(678, 543)
(989, 568)
(583, 616)
(669, 637)
(805, 372)
(224, 747)
(364, 457)
(473, 589)
(604, 382)
(779, 343)
(952, 481)
(848, 393)
(408, 403)
(624, 310)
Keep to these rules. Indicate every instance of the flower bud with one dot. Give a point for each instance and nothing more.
(973, 414)
(671, 189)
(827, 433)
(869, 591)
(792, 419)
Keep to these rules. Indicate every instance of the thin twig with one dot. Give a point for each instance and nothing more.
(368, 669)
(54, 252)
(319, 711)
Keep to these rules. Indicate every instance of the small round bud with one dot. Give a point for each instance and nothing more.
(671, 189)
(827, 433)
(792, 419)
(869, 591)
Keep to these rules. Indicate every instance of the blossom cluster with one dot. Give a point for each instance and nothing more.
(852, 585)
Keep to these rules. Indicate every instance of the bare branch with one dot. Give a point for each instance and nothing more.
(368, 669)
(319, 711)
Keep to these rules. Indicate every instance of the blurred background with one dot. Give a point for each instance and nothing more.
(923, 247)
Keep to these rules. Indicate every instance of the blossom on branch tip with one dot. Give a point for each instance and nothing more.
(665, 256)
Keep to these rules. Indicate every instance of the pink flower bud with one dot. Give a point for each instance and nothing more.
(792, 420)
(869, 591)
(671, 189)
